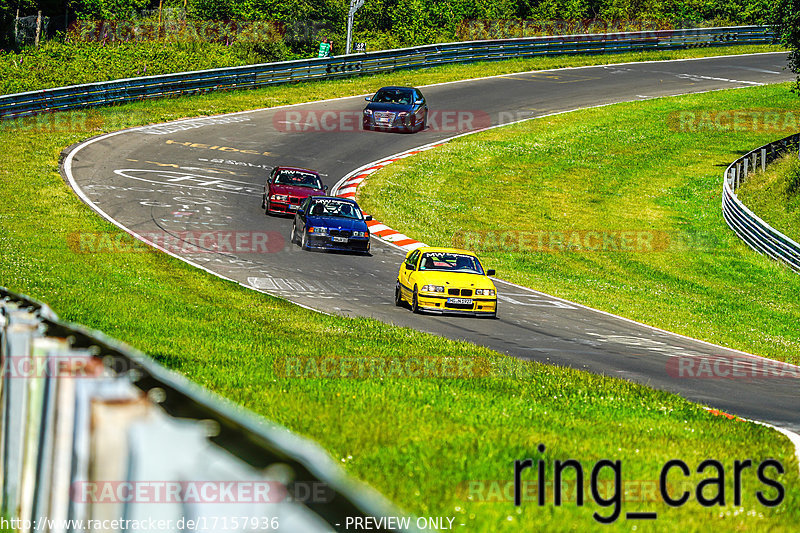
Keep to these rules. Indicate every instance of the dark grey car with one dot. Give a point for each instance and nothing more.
(396, 108)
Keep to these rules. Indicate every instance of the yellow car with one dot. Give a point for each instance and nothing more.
(446, 280)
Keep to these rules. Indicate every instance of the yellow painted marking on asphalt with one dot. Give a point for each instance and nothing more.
(553, 78)
(219, 148)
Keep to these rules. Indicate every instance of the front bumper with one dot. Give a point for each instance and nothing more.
(439, 304)
(282, 208)
(395, 123)
(325, 242)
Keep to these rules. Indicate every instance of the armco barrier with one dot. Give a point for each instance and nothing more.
(92, 430)
(759, 235)
(118, 91)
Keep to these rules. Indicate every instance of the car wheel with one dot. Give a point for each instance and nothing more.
(263, 201)
(294, 234)
(304, 241)
(424, 122)
(414, 302)
(398, 296)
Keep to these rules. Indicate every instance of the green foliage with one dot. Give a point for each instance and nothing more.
(786, 15)
(383, 23)
(774, 195)
(109, 9)
(56, 64)
(793, 182)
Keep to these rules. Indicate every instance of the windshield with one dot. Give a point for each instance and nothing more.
(393, 96)
(297, 178)
(450, 262)
(330, 207)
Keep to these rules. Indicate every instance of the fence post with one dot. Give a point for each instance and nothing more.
(16, 349)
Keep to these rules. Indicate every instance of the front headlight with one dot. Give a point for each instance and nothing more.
(368, 112)
(432, 288)
(279, 197)
(360, 233)
(318, 230)
(484, 292)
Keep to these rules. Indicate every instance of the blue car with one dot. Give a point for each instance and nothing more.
(331, 223)
(396, 108)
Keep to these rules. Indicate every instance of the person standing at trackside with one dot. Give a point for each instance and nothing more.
(324, 48)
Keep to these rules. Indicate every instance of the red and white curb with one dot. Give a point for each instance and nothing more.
(348, 186)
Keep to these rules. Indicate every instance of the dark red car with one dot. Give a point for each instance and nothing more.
(287, 187)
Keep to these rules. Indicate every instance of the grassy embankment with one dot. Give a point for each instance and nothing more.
(642, 167)
(774, 195)
(419, 441)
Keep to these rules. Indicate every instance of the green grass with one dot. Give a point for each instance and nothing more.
(419, 441)
(774, 195)
(58, 64)
(628, 167)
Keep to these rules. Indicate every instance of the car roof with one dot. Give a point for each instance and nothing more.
(397, 87)
(315, 198)
(301, 169)
(436, 249)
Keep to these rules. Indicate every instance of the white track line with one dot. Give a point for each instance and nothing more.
(67, 165)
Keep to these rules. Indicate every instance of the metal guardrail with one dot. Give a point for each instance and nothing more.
(759, 235)
(248, 77)
(93, 430)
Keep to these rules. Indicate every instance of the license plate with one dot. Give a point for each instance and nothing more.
(460, 301)
(294, 207)
(339, 239)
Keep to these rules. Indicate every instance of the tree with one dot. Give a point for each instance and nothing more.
(787, 21)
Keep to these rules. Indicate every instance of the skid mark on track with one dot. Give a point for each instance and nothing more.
(532, 300)
(295, 286)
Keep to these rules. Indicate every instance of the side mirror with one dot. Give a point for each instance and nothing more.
(367, 218)
(490, 272)
(324, 187)
(368, 98)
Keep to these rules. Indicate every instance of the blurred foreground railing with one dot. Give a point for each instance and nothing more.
(92, 430)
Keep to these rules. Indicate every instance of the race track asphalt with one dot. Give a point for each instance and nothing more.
(204, 175)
